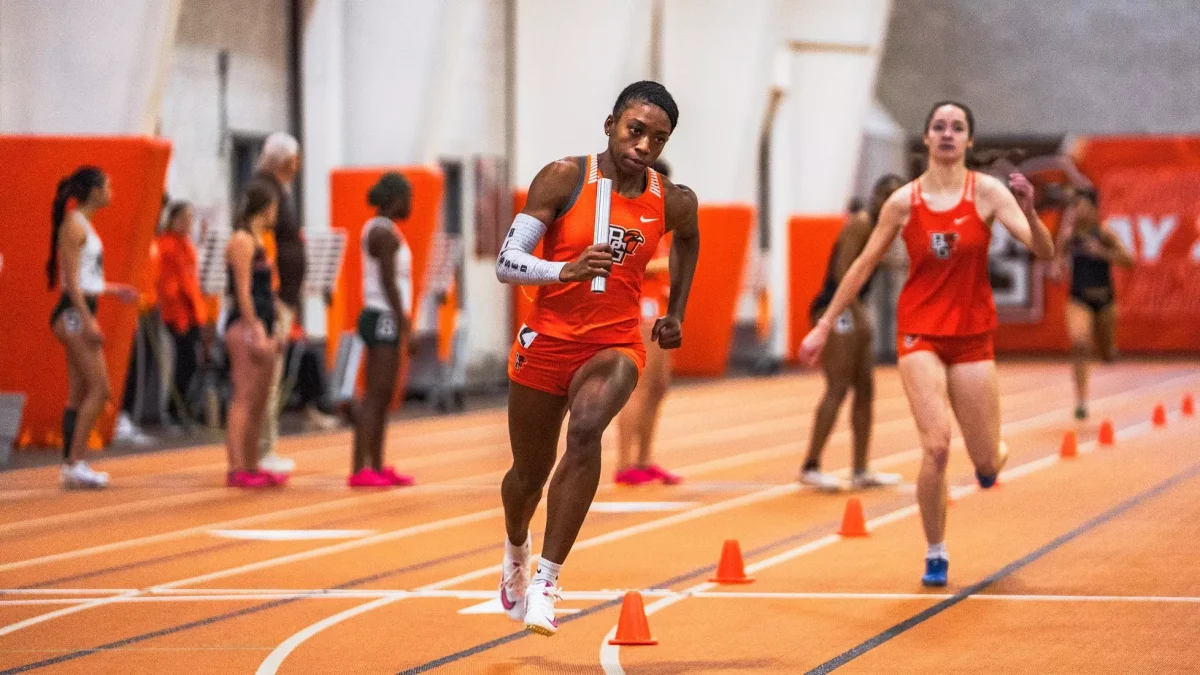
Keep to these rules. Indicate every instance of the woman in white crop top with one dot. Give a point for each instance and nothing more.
(77, 262)
(384, 325)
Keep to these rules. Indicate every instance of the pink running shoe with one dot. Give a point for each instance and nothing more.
(274, 478)
(398, 479)
(247, 479)
(633, 476)
(663, 476)
(369, 478)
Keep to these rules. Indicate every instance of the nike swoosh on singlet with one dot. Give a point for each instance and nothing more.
(960, 221)
(644, 219)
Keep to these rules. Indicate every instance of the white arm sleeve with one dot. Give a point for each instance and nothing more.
(517, 264)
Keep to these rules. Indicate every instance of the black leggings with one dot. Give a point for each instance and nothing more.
(187, 346)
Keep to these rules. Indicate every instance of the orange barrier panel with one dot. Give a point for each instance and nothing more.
(349, 211)
(31, 360)
(811, 240)
(712, 304)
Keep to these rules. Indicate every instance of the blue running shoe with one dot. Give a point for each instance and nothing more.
(935, 571)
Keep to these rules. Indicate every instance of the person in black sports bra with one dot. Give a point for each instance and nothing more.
(248, 336)
(1091, 249)
(848, 360)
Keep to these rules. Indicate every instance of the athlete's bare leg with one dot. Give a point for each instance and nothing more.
(598, 391)
(89, 391)
(383, 364)
(534, 421)
(863, 408)
(975, 398)
(1106, 332)
(924, 377)
(638, 420)
(837, 363)
(1080, 329)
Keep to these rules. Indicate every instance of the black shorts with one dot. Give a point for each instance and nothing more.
(74, 322)
(376, 327)
(1097, 299)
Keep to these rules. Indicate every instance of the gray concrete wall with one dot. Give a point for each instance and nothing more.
(1047, 66)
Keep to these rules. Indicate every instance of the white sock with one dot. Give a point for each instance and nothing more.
(937, 551)
(516, 554)
(546, 572)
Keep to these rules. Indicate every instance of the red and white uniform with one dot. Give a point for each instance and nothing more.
(946, 306)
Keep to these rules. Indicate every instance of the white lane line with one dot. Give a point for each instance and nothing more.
(290, 535)
(414, 530)
(81, 606)
(276, 657)
(490, 604)
(610, 655)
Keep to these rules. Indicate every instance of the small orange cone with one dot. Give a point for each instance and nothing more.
(1189, 406)
(1106, 433)
(633, 628)
(853, 522)
(1160, 416)
(1070, 448)
(730, 569)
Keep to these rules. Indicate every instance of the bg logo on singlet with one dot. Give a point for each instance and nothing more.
(624, 242)
(943, 243)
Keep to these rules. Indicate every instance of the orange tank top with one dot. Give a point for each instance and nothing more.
(948, 292)
(571, 311)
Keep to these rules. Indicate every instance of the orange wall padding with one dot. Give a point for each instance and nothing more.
(810, 242)
(712, 304)
(31, 359)
(349, 211)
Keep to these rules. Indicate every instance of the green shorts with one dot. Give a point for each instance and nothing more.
(376, 327)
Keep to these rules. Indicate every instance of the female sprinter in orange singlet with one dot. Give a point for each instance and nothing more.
(581, 351)
(946, 315)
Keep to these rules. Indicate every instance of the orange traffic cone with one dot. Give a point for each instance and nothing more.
(853, 522)
(633, 628)
(1189, 406)
(1160, 415)
(1070, 448)
(1106, 433)
(730, 569)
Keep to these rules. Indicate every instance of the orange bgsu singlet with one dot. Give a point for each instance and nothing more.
(569, 324)
(946, 305)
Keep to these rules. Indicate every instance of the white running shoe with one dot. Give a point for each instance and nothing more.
(273, 463)
(539, 615)
(128, 432)
(824, 482)
(872, 479)
(514, 581)
(80, 476)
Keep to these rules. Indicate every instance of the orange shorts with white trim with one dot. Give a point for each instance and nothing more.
(951, 349)
(549, 364)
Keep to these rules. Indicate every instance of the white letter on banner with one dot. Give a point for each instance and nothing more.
(1122, 226)
(1154, 235)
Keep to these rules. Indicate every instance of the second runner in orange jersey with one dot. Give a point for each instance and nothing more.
(946, 314)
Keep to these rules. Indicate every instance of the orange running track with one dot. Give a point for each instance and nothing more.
(1085, 565)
